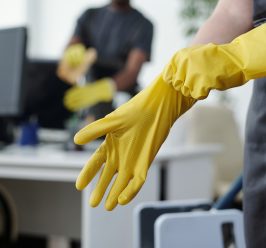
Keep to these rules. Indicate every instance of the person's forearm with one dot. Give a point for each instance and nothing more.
(127, 77)
(229, 20)
(74, 40)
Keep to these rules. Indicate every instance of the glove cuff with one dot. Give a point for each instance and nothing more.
(195, 71)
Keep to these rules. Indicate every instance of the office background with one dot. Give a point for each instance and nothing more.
(51, 24)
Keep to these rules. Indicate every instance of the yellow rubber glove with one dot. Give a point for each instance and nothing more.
(135, 132)
(80, 97)
(75, 63)
(195, 71)
(74, 55)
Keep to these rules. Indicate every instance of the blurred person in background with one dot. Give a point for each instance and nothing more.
(122, 38)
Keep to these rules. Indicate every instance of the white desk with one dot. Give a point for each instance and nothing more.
(43, 163)
(42, 180)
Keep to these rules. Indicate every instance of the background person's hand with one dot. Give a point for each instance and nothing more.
(74, 55)
(75, 63)
(80, 97)
(134, 133)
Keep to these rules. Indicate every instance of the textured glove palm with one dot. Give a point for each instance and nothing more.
(134, 133)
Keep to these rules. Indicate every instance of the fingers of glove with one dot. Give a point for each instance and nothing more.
(119, 185)
(91, 168)
(96, 129)
(105, 178)
(75, 93)
(73, 107)
(70, 59)
(73, 60)
(75, 56)
(76, 104)
(69, 102)
(131, 190)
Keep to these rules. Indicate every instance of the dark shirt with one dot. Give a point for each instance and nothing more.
(113, 34)
(259, 15)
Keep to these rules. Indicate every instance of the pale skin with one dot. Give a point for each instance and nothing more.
(127, 77)
(230, 19)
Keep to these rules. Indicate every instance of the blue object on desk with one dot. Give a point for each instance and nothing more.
(29, 134)
(225, 201)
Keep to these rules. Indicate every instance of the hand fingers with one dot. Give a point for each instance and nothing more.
(96, 129)
(74, 93)
(91, 168)
(71, 103)
(131, 190)
(119, 185)
(105, 178)
(74, 104)
(76, 58)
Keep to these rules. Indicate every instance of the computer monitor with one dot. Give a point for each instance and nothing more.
(44, 93)
(12, 61)
(28, 87)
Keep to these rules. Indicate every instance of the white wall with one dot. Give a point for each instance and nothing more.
(52, 22)
(12, 13)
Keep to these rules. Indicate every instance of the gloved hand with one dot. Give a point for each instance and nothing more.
(197, 70)
(134, 133)
(76, 62)
(80, 97)
(74, 55)
(136, 130)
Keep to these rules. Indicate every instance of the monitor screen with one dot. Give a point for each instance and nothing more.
(12, 58)
(44, 93)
